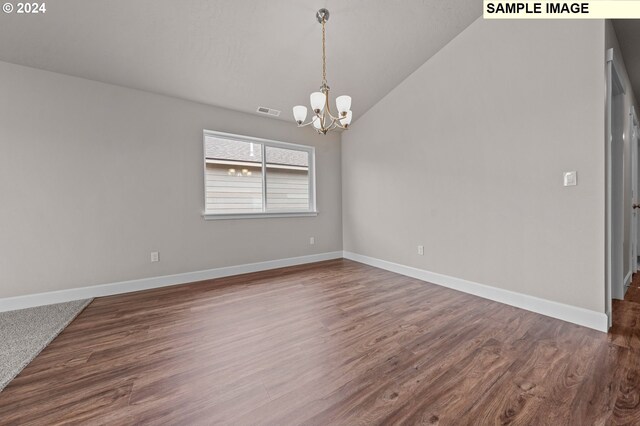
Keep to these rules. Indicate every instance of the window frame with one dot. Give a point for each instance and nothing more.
(264, 143)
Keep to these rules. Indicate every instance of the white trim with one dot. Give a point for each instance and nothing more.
(270, 142)
(612, 57)
(286, 167)
(263, 149)
(254, 164)
(29, 301)
(609, 55)
(573, 314)
(612, 79)
(633, 141)
(627, 279)
(259, 215)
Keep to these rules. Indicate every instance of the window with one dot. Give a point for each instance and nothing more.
(250, 177)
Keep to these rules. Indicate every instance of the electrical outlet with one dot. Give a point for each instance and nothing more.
(155, 256)
(312, 240)
(570, 178)
(421, 250)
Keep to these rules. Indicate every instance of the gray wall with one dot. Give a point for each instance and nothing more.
(94, 177)
(611, 41)
(466, 158)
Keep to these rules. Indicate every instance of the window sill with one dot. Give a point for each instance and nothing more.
(222, 216)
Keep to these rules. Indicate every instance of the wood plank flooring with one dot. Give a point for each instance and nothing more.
(335, 343)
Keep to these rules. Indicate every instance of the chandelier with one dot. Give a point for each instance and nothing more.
(323, 120)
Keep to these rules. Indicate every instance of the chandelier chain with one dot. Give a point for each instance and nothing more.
(324, 56)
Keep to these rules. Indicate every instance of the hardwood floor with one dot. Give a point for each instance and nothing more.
(335, 342)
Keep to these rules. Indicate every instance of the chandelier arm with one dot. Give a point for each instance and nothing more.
(334, 123)
(305, 124)
(333, 116)
(318, 115)
(327, 105)
(338, 124)
(328, 109)
(326, 127)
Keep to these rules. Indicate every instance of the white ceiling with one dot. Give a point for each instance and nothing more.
(628, 33)
(237, 54)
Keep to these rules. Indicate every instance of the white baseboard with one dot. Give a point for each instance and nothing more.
(573, 314)
(627, 279)
(40, 299)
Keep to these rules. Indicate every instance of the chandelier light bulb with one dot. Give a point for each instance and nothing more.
(343, 103)
(300, 113)
(317, 123)
(317, 102)
(347, 119)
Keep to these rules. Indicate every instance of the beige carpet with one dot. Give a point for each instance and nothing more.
(26, 332)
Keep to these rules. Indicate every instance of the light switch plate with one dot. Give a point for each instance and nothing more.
(570, 178)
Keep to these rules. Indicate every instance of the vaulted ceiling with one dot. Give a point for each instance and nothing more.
(237, 54)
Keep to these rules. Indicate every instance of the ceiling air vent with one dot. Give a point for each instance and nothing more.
(269, 111)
